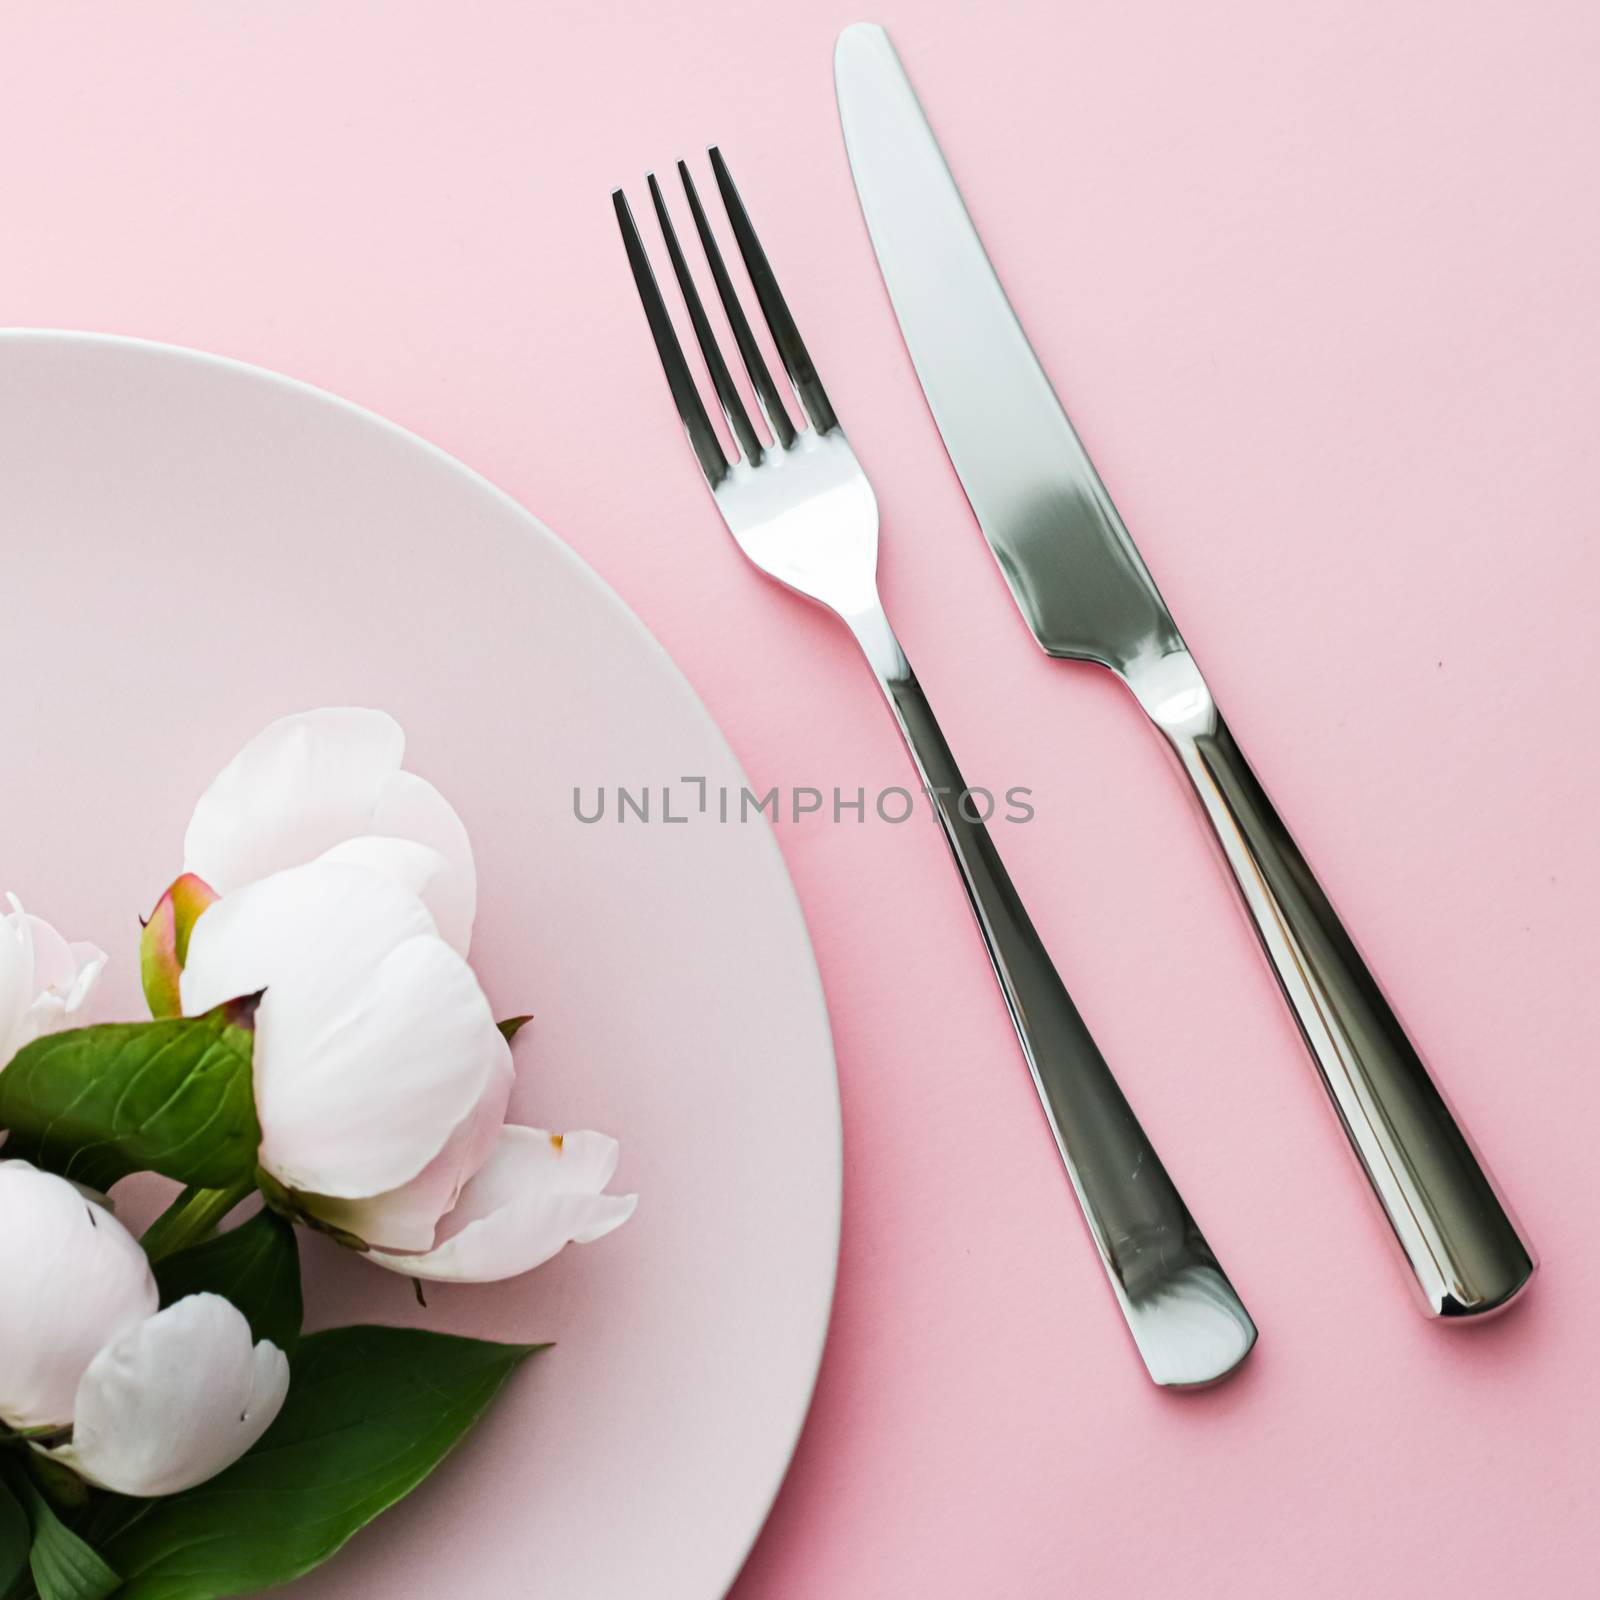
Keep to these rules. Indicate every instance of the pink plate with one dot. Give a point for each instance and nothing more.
(194, 547)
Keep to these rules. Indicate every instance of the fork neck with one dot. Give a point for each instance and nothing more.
(870, 625)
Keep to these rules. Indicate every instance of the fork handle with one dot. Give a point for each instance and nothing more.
(1189, 1324)
(1464, 1248)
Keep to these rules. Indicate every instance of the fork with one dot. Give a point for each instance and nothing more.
(800, 507)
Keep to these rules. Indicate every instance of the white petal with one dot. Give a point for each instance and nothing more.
(410, 807)
(418, 866)
(318, 925)
(64, 976)
(175, 1400)
(538, 1193)
(47, 1014)
(357, 1100)
(53, 963)
(16, 979)
(44, 981)
(72, 1278)
(91, 960)
(61, 992)
(304, 783)
(373, 1042)
(407, 1218)
(307, 783)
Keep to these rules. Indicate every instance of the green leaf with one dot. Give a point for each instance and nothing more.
(64, 1567)
(173, 1097)
(164, 944)
(16, 1536)
(512, 1026)
(256, 1266)
(371, 1412)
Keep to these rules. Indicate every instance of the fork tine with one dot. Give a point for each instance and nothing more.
(773, 306)
(760, 376)
(702, 436)
(721, 380)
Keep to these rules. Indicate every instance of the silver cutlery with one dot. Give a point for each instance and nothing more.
(798, 504)
(1084, 590)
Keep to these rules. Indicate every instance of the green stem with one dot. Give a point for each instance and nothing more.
(193, 1216)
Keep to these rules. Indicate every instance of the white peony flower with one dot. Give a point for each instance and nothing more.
(45, 983)
(381, 1079)
(149, 1401)
(331, 781)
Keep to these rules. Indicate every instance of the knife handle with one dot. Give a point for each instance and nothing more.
(1188, 1322)
(1464, 1248)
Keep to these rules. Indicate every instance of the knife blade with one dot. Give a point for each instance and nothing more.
(1085, 592)
(1071, 565)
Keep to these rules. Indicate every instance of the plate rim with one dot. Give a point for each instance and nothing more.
(584, 573)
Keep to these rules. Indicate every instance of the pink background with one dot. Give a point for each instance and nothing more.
(1318, 285)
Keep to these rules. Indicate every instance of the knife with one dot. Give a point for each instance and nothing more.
(1085, 592)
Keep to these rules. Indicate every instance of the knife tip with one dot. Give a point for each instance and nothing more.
(859, 33)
